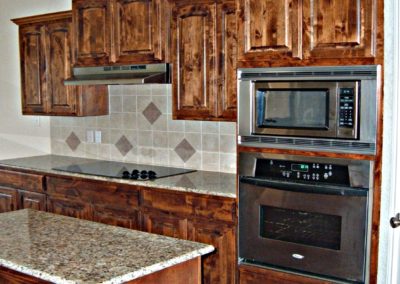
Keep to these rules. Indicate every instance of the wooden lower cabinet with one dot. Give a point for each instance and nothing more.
(116, 217)
(32, 200)
(220, 265)
(249, 274)
(166, 225)
(8, 199)
(66, 207)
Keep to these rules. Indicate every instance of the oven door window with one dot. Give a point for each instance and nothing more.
(301, 227)
(292, 108)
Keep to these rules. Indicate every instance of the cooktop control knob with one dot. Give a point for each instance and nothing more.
(135, 172)
(125, 174)
(152, 175)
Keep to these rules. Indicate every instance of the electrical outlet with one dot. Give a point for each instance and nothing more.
(89, 136)
(97, 136)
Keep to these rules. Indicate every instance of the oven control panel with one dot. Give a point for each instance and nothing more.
(302, 171)
(346, 105)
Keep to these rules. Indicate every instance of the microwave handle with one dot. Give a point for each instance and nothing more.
(304, 188)
(260, 106)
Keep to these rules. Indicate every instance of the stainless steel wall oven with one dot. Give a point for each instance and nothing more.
(332, 108)
(305, 214)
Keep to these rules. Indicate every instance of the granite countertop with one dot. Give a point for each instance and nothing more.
(203, 182)
(62, 249)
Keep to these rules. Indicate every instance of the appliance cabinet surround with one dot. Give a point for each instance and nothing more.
(46, 58)
(303, 32)
(111, 32)
(203, 55)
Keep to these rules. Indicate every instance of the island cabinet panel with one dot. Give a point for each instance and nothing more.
(108, 203)
(92, 20)
(112, 32)
(269, 29)
(8, 199)
(8, 276)
(339, 28)
(46, 61)
(220, 265)
(32, 200)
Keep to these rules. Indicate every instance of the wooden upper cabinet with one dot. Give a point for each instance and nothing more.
(62, 99)
(339, 28)
(46, 61)
(194, 60)
(204, 59)
(92, 20)
(140, 30)
(33, 68)
(269, 29)
(120, 31)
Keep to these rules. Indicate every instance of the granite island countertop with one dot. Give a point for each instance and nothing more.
(62, 249)
(203, 182)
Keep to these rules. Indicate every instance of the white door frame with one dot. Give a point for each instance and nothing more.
(393, 249)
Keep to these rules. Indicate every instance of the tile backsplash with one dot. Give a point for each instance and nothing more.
(140, 129)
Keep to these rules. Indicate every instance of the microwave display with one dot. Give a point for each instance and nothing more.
(292, 108)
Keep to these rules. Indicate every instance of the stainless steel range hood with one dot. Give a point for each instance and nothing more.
(120, 75)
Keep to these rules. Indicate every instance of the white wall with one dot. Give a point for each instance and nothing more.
(20, 135)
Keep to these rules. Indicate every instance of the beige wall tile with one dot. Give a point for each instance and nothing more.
(210, 142)
(129, 104)
(115, 104)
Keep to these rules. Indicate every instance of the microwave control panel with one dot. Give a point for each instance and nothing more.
(346, 107)
(302, 171)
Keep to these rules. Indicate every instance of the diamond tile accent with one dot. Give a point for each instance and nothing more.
(73, 141)
(185, 150)
(123, 145)
(151, 113)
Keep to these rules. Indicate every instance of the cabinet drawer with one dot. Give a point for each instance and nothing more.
(30, 182)
(93, 192)
(213, 207)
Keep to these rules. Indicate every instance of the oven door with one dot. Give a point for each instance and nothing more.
(315, 229)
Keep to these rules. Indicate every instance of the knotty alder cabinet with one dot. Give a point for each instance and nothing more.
(120, 31)
(203, 54)
(304, 32)
(21, 190)
(46, 58)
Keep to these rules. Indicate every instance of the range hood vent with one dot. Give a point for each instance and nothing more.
(120, 75)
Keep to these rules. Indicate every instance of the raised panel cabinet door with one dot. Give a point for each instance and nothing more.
(33, 82)
(227, 60)
(116, 217)
(220, 265)
(62, 99)
(194, 61)
(8, 199)
(269, 29)
(339, 28)
(140, 30)
(92, 31)
(69, 208)
(32, 200)
(166, 225)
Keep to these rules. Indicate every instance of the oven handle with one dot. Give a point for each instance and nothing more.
(305, 188)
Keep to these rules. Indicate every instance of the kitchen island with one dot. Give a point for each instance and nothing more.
(61, 249)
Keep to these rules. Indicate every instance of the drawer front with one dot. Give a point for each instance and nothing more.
(25, 181)
(210, 207)
(93, 192)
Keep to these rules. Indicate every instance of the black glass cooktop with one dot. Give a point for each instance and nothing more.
(123, 170)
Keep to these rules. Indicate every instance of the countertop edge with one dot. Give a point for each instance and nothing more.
(34, 272)
(121, 181)
(159, 266)
(117, 280)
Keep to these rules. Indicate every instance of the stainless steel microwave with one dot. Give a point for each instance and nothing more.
(331, 108)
